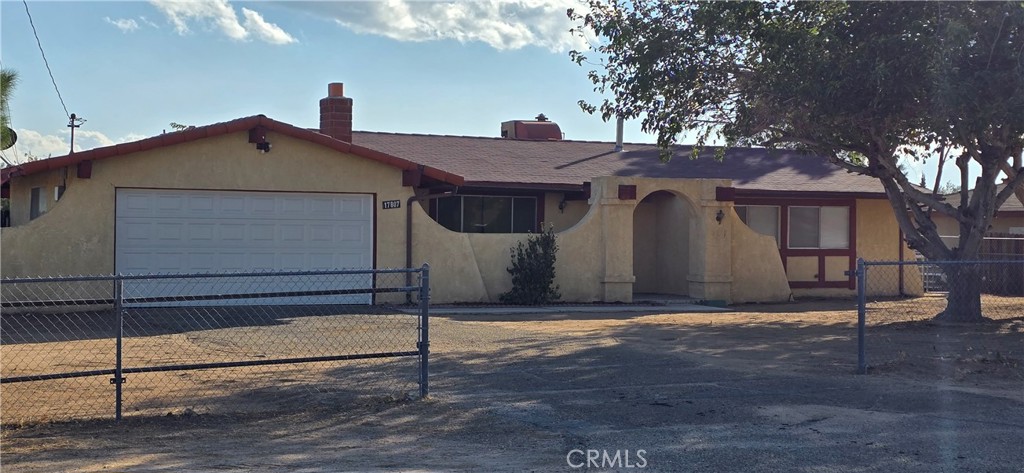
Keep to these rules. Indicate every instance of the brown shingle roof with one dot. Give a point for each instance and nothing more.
(216, 129)
(504, 161)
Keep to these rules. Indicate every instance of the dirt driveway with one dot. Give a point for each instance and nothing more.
(766, 388)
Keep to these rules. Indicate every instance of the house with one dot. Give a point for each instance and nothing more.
(1009, 219)
(259, 194)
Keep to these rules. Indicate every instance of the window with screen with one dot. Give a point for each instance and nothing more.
(819, 227)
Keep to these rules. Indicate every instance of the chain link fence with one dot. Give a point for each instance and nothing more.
(91, 347)
(911, 295)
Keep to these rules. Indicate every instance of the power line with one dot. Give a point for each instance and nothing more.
(47, 63)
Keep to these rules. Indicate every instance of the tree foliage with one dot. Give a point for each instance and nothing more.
(864, 84)
(8, 79)
(533, 271)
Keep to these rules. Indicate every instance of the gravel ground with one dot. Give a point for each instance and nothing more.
(766, 388)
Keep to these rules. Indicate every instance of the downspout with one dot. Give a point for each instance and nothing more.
(408, 234)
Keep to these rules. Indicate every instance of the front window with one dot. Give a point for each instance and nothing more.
(819, 227)
(763, 219)
(487, 214)
(37, 203)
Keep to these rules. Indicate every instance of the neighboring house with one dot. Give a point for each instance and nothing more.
(1009, 219)
(258, 194)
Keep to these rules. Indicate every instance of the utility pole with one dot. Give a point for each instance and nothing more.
(74, 122)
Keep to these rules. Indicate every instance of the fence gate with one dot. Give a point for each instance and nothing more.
(85, 347)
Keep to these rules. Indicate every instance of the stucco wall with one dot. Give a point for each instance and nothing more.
(569, 215)
(757, 272)
(21, 195)
(76, 236)
(471, 267)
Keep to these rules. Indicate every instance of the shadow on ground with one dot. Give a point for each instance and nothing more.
(715, 396)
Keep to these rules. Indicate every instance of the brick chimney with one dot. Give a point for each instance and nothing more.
(336, 113)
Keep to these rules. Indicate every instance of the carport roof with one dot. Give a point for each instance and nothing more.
(501, 161)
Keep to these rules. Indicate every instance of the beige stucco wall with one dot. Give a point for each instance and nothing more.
(757, 271)
(76, 235)
(471, 267)
(21, 195)
(569, 215)
(596, 254)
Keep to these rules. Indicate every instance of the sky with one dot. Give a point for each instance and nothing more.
(131, 68)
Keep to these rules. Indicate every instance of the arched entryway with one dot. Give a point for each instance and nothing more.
(661, 245)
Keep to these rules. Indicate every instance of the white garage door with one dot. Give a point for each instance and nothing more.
(193, 231)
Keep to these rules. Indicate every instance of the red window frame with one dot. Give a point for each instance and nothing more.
(786, 252)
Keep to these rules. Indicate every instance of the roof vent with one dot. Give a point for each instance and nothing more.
(539, 129)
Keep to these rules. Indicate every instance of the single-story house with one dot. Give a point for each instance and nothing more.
(258, 194)
(1009, 219)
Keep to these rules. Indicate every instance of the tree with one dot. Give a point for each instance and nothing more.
(864, 84)
(8, 79)
(949, 188)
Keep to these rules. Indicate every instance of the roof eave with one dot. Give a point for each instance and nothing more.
(217, 129)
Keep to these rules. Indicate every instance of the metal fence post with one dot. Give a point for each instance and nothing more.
(118, 374)
(862, 362)
(424, 345)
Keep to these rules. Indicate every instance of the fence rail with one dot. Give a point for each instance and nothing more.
(79, 347)
(922, 299)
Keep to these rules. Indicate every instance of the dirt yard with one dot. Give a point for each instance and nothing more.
(762, 388)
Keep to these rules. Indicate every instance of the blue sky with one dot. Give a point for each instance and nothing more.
(131, 68)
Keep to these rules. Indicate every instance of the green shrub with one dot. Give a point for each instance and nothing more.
(533, 271)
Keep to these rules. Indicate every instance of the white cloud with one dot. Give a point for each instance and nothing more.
(268, 32)
(124, 24)
(501, 24)
(35, 145)
(148, 22)
(222, 16)
(38, 145)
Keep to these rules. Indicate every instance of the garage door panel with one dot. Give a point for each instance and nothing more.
(201, 205)
(232, 232)
(353, 208)
(230, 205)
(181, 231)
(262, 232)
(202, 261)
(136, 230)
(169, 203)
(169, 231)
(200, 231)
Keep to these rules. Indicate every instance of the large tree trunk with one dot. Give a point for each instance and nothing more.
(963, 304)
